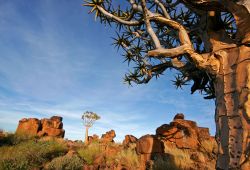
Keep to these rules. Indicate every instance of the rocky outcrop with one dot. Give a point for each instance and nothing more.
(108, 137)
(129, 139)
(178, 138)
(184, 133)
(45, 127)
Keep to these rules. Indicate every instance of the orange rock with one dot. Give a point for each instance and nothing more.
(29, 126)
(108, 136)
(149, 144)
(46, 127)
(184, 133)
(203, 133)
(53, 132)
(129, 139)
(166, 130)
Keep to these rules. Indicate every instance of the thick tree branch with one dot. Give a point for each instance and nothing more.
(150, 30)
(211, 64)
(170, 53)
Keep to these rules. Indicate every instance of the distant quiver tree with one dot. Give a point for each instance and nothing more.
(89, 119)
(207, 42)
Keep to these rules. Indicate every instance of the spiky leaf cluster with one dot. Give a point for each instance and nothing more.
(135, 41)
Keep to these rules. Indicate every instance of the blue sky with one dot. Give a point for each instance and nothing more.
(56, 60)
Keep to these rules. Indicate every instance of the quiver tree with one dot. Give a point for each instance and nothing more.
(88, 119)
(207, 42)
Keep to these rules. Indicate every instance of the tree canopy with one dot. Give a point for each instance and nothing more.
(89, 118)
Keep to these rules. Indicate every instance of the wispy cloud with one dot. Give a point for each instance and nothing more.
(56, 60)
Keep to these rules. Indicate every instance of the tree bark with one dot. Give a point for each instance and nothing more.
(86, 141)
(232, 116)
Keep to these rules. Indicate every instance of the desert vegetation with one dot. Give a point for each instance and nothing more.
(188, 147)
(24, 152)
(19, 152)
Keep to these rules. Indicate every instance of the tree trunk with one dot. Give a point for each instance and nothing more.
(232, 116)
(86, 141)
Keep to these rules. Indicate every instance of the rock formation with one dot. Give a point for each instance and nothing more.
(129, 139)
(108, 136)
(45, 127)
(30, 126)
(180, 134)
(185, 134)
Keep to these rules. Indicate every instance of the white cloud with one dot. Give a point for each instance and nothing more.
(51, 65)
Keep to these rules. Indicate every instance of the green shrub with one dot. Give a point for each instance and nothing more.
(14, 139)
(89, 152)
(29, 154)
(66, 162)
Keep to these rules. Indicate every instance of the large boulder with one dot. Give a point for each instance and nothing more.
(108, 136)
(52, 127)
(149, 144)
(29, 126)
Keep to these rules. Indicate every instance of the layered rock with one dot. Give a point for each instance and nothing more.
(45, 127)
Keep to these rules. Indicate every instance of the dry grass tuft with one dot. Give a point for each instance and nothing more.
(128, 158)
(181, 157)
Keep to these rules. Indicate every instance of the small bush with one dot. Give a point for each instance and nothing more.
(14, 139)
(29, 154)
(89, 152)
(66, 162)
